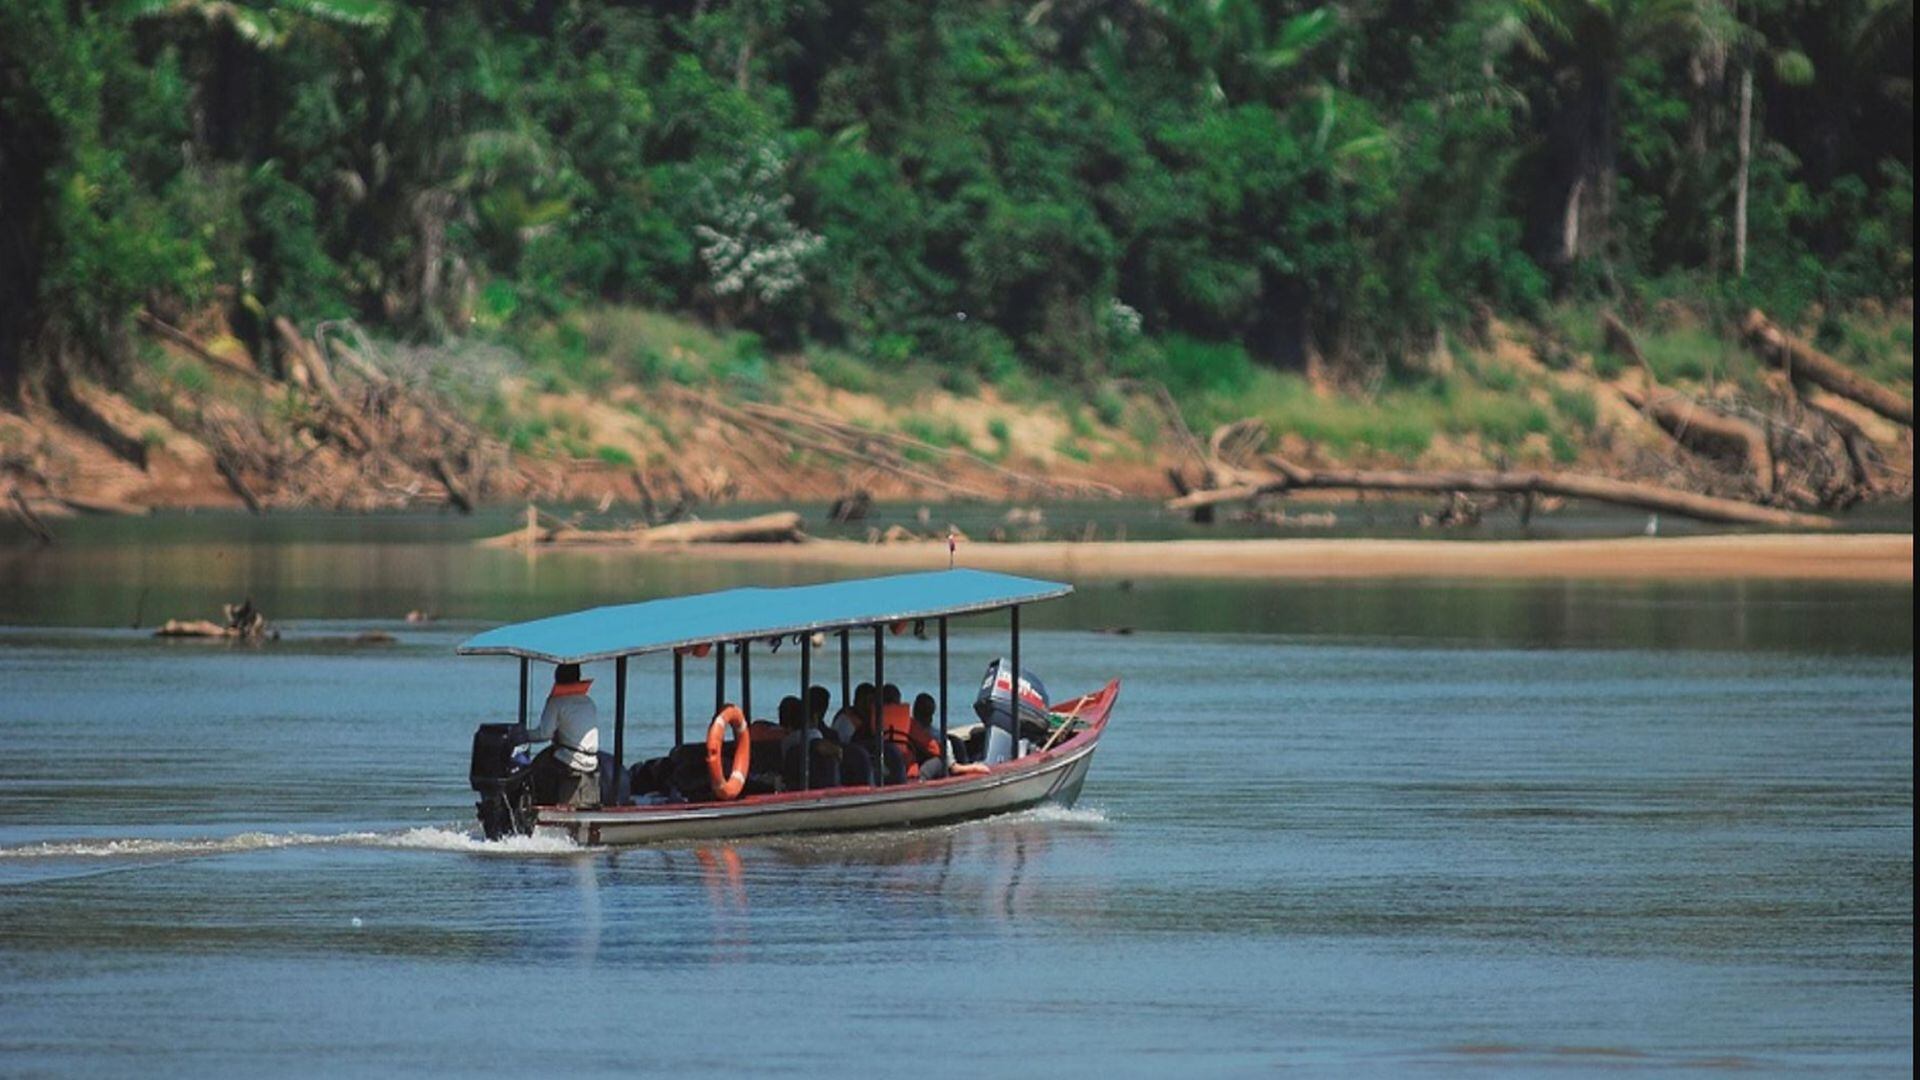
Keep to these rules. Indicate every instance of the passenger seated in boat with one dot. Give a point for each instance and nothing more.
(567, 772)
(852, 716)
(856, 765)
(817, 701)
(687, 777)
(853, 726)
(932, 760)
(906, 734)
(823, 768)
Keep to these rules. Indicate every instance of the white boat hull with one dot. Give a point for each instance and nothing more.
(1051, 777)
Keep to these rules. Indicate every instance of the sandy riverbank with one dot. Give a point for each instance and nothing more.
(1855, 557)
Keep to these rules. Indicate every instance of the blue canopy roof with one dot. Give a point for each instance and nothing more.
(735, 614)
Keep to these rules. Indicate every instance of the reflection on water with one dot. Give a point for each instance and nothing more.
(1361, 829)
(310, 571)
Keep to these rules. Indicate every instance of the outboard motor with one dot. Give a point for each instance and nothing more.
(505, 786)
(995, 707)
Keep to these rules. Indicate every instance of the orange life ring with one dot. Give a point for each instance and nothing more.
(728, 785)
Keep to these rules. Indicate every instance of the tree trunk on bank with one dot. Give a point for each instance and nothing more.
(1652, 497)
(1740, 184)
(1706, 432)
(1802, 361)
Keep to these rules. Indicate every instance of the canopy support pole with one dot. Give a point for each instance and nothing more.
(746, 679)
(619, 722)
(943, 687)
(679, 700)
(806, 711)
(846, 671)
(879, 681)
(524, 663)
(719, 676)
(1015, 750)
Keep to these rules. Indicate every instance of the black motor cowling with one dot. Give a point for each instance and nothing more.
(505, 787)
(995, 702)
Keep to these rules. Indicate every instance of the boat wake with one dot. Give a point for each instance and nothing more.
(140, 849)
(1065, 815)
(417, 839)
(436, 839)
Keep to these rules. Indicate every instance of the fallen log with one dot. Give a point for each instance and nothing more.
(86, 504)
(824, 438)
(237, 483)
(1861, 453)
(1652, 497)
(1803, 361)
(782, 527)
(340, 421)
(457, 493)
(193, 345)
(23, 511)
(1615, 335)
(1706, 432)
(852, 506)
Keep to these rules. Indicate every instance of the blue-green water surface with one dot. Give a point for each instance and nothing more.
(1345, 828)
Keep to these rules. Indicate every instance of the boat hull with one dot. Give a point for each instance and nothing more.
(1053, 777)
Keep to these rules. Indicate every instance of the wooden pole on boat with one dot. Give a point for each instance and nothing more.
(806, 711)
(943, 687)
(746, 680)
(1014, 750)
(619, 722)
(879, 680)
(679, 700)
(524, 664)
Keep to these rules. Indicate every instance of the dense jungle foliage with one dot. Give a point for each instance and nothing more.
(1078, 186)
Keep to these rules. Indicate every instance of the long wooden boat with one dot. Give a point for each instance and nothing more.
(731, 623)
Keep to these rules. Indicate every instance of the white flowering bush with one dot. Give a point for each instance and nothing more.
(1121, 322)
(752, 251)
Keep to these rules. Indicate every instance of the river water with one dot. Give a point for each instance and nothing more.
(1350, 828)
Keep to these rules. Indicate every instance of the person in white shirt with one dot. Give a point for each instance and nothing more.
(567, 772)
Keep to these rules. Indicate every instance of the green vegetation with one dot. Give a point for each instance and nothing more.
(1044, 197)
(1577, 406)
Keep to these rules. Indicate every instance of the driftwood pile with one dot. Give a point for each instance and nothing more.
(239, 622)
(363, 440)
(1765, 463)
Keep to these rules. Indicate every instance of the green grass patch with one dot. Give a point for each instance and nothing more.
(1696, 354)
(1879, 347)
(841, 370)
(933, 432)
(1188, 367)
(1565, 450)
(1499, 421)
(1500, 378)
(613, 455)
(1400, 422)
(192, 376)
(1576, 405)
